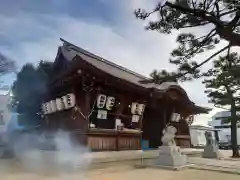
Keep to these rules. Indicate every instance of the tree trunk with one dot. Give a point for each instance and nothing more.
(235, 152)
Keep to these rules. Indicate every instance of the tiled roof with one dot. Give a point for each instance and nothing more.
(70, 51)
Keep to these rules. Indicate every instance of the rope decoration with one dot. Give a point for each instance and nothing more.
(86, 117)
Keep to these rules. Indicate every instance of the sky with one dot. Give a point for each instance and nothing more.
(30, 30)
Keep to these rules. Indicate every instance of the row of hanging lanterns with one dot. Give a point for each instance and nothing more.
(65, 102)
(176, 118)
(104, 101)
(108, 102)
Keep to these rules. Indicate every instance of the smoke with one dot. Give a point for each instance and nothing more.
(55, 154)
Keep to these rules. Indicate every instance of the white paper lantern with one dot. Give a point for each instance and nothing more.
(140, 109)
(64, 102)
(134, 108)
(175, 117)
(70, 100)
(44, 108)
(110, 103)
(102, 114)
(101, 100)
(52, 105)
(190, 120)
(48, 108)
(135, 118)
(59, 104)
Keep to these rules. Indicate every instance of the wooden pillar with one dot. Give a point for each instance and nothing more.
(119, 111)
(123, 103)
(184, 129)
(184, 116)
(87, 107)
(165, 117)
(80, 122)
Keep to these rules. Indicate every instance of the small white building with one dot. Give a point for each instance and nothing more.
(197, 133)
(219, 122)
(5, 112)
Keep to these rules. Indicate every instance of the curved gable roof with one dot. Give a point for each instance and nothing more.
(70, 51)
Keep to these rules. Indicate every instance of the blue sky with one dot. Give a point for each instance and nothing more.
(30, 31)
(30, 21)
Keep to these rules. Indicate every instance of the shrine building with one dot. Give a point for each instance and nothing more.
(107, 107)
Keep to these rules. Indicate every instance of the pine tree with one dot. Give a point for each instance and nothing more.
(220, 19)
(223, 85)
(158, 77)
(29, 89)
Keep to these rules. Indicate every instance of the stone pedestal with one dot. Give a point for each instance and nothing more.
(212, 151)
(171, 156)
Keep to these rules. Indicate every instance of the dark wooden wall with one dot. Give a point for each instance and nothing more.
(154, 121)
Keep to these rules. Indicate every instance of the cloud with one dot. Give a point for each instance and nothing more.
(30, 37)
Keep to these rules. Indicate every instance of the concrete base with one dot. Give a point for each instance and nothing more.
(212, 151)
(170, 156)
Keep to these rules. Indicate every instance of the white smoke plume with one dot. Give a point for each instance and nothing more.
(67, 156)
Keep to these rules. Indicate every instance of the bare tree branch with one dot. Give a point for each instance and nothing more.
(190, 26)
(221, 107)
(228, 12)
(205, 61)
(217, 9)
(201, 44)
(235, 19)
(197, 12)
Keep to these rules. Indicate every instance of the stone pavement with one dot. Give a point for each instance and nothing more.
(124, 169)
(227, 165)
(98, 159)
(124, 172)
(119, 156)
(49, 160)
(214, 162)
(224, 165)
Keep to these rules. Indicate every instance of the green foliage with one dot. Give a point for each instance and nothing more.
(159, 77)
(223, 82)
(223, 88)
(220, 20)
(30, 87)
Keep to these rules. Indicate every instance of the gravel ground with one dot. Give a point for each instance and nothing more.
(127, 172)
(152, 174)
(117, 172)
(11, 170)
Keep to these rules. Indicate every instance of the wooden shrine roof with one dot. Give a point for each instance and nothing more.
(199, 109)
(70, 51)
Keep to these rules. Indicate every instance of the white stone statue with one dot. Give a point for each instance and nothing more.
(170, 154)
(168, 136)
(209, 138)
(211, 149)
